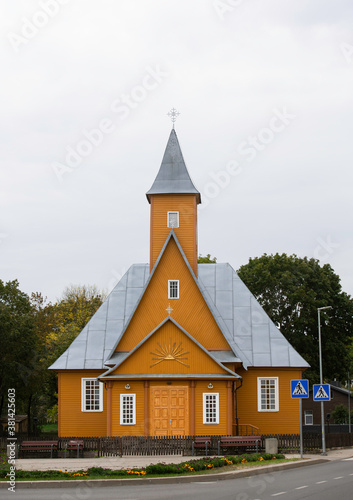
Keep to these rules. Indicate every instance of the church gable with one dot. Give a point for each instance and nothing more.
(189, 310)
(170, 350)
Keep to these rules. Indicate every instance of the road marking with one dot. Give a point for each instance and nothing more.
(205, 482)
(339, 477)
(280, 493)
(300, 487)
(346, 459)
(320, 482)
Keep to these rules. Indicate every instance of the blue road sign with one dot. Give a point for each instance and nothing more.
(299, 389)
(321, 392)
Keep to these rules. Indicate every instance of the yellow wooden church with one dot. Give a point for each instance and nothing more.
(177, 348)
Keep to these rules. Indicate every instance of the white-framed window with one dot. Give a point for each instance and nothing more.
(211, 408)
(267, 394)
(127, 409)
(173, 289)
(91, 395)
(308, 417)
(173, 219)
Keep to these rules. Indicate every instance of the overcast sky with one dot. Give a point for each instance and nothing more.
(265, 95)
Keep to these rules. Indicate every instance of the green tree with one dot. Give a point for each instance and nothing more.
(71, 313)
(290, 289)
(18, 342)
(206, 259)
(340, 414)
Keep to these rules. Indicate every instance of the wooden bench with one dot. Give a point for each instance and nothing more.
(40, 446)
(201, 442)
(74, 445)
(238, 441)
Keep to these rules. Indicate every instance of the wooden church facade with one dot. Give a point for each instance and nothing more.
(177, 348)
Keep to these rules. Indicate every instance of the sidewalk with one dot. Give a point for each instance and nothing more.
(127, 462)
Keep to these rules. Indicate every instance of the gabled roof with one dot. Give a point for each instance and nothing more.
(253, 337)
(228, 373)
(173, 176)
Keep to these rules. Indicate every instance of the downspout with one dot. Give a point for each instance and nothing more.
(235, 389)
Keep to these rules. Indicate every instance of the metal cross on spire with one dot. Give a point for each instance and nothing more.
(169, 309)
(173, 114)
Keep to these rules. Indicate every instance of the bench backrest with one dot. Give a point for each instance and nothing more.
(202, 439)
(39, 443)
(240, 439)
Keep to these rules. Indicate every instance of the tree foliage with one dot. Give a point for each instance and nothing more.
(71, 314)
(33, 334)
(290, 289)
(17, 339)
(207, 259)
(340, 414)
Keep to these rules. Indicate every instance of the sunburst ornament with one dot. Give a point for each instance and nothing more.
(169, 353)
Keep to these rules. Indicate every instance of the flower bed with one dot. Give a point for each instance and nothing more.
(160, 469)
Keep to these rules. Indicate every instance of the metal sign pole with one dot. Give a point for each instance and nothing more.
(301, 428)
(299, 389)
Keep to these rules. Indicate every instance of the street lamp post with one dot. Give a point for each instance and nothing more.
(319, 309)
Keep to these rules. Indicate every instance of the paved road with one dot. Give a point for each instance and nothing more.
(318, 482)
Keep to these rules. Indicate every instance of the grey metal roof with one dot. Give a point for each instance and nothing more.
(253, 337)
(225, 356)
(173, 176)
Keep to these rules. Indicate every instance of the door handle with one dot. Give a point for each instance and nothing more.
(170, 421)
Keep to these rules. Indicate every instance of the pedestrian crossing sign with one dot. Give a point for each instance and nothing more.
(299, 389)
(321, 392)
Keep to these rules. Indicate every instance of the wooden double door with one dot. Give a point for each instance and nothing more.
(169, 415)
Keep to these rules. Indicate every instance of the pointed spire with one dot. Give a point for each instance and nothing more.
(173, 176)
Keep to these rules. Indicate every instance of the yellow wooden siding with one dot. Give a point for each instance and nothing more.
(219, 386)
(187, 230)
(169, 350)
(190, 310)
(73, 421)
(136, 387)
(286, 420)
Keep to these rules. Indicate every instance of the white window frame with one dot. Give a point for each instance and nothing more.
(168, 220)
(132, 419)
(308, 413)
(259, 394)
(169, 289)
(215, 396)
(83, 395)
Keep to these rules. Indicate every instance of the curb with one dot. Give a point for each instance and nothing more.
(98, 483)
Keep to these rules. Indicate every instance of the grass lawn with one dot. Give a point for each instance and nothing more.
(49, 428)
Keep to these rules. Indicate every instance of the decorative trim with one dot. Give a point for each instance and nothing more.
(169, 353)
